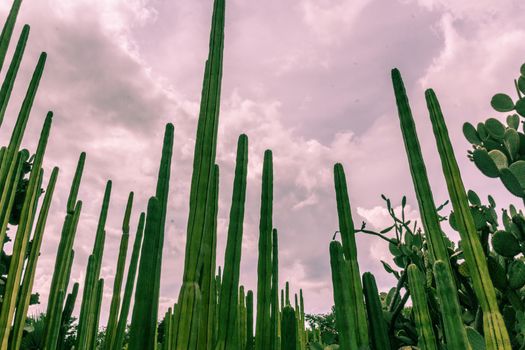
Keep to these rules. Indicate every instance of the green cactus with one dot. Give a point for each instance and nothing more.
(64, 257)
(209, 297)
(8, 165)
(289, 329)
(128, 289)
(346, 227)
(423, 321)
(495, 128)
(249, 321)
(9, 80)
(471, 134)
(345, 321)
(496, 335)
(22, 237)
(111, 327)
(379, 338)
(232, 258)
(485, 163)
(455, 333)
(203, 163)
(274, 313)
(66, 315)
(30, 269)
(264, 265)
(505, 244)
(516, 273)
(7, 30)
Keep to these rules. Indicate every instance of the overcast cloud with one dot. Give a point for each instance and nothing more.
(309, 79)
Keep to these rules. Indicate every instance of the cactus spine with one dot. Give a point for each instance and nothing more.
(426, 337)
(264, 265)
(495, 331)
(346, 227)
(376, 321)
(228, 321)
(119, 274)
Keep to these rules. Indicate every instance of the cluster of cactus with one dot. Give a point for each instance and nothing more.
(213, 310)
(499, 148)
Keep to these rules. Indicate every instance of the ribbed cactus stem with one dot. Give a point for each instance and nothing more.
(344, 320)
(207, 284)
(188, 315)
(289, 329)
(274, 332)
(7, 30)
(346, 228)
(9, 80)
(119, 274)
(249, 321)
(455, 334)
(144, 321)
(22, 237)
(30, 269)
(264, 264)
(425, 331)
(66, 315)
(9, 159)
(377, 324)
(495, 331)
(227, 322)
(128, 289)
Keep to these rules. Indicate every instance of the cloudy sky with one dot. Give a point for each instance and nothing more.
(309, 79)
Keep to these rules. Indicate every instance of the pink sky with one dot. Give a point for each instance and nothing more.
(309, 79)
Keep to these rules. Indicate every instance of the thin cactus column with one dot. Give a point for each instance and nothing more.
(22, 237)
(264, 264)
(425, 331)
(249, 321)
(377, 324)
(66, 316)
(495, 331)
(232, 258)
(346, 227)
(7, 30)
(119, 274)
(128, 289)
(274, 317)
(289, 329)
(30, 269)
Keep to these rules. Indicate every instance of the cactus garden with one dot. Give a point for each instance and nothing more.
(458, 271)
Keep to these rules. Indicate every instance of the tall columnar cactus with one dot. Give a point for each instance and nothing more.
(274, 316)
(9, 80)
(495, 331)
(30, 269)
(303, 319)
(8, 164)
(346, 227)
(241, 317)
(66, 316)
(116, 343)
(89, 301)
(455, 334)
(22, 237)
(95, 313)
(206, 339)
(289, 329)
(376, 321)
(344, 320)
(232, 259)
(187, 318)
(145, 310)
(264, 265)
(143, 321)
(425, 199)
(64, 258)
(7, 30)
(425, 331)
(111, 327)
(249, 321)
